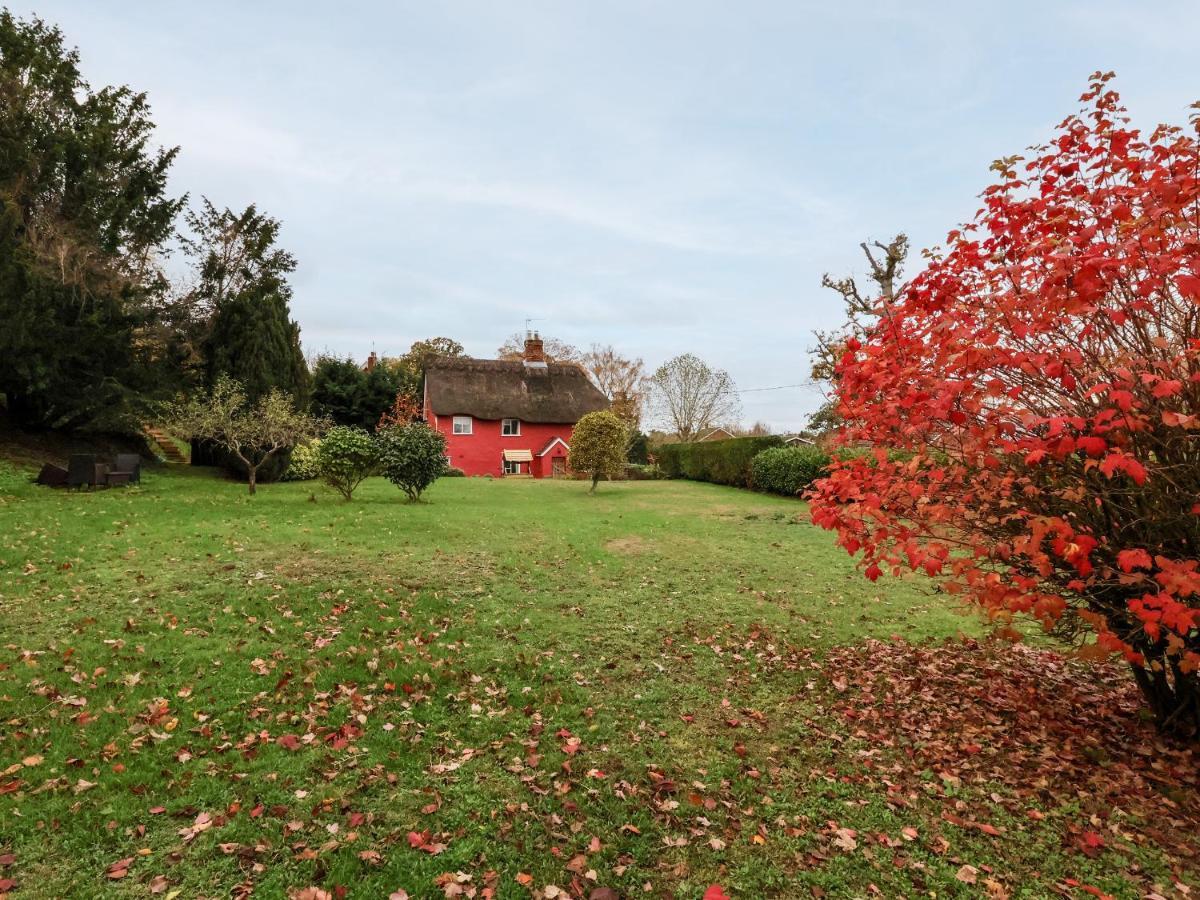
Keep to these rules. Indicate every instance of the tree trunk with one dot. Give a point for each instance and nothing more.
(595, 481)
(251, 477)
(1172, 694)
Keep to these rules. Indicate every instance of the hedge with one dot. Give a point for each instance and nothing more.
(719, 462)
(788, 470)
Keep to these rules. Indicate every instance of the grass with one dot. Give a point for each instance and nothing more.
(511, 686)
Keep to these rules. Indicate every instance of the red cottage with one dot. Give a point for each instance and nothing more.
(503, 417)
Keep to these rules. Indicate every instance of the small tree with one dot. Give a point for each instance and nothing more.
(598, 446)
(254, 433)
(411, 457)
(345, 457)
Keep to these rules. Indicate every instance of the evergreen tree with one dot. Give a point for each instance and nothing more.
(337, 390)
(84, 215)
(242, 283)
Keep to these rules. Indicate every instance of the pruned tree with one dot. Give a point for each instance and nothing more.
(556, 351)
(691, 397)
(598, 446)
(1040, 379)
(346, 457)
(412, 457)
(253, 432)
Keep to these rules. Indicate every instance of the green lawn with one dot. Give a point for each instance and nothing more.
(516, 685)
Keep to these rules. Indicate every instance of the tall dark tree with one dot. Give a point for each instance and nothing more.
(241, 283)
(336, 390)
(84, 216)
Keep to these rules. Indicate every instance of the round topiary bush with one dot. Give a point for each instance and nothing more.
(788, 470)
(411, 457)
(345, 457)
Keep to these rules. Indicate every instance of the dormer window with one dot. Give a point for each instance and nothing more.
(462, 424)
(510, 427)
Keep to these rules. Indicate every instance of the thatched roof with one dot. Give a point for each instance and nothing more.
(499, 389)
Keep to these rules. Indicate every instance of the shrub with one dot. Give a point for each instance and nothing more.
(636, 472)
(598, 446)
(1041, 372)
(788, 470)
(345, 457)
(411, 457)
(302, 465)
(454, 472)
(719, 462)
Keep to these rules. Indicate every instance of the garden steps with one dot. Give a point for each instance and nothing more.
(166, 446)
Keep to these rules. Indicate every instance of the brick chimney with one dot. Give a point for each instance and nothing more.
(371, 360)
(534, 352)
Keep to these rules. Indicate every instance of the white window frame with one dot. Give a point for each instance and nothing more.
(504, 425)
(516, 467)
(457, 425)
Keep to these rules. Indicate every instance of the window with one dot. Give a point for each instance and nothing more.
(510, 427)
(462, 424)
(512, 467)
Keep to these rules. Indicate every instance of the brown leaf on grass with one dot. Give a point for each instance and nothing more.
(967, 874)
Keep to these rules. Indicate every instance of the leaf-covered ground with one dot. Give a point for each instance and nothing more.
(518, 690)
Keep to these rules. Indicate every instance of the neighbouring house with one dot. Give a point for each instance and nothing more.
(799, 440)
(718, 434)
(503, 417)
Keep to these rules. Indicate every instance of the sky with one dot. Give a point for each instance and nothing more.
(665, 177)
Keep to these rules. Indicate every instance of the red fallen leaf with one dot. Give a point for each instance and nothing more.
(120, 868)
(6, 885)
(157, 810)
(257, 811)
(355, 819)
(10, 786)
(1091, 843)
(715, 892)
(572, 746)
(524, 878)
(7, 859)
(422, 840)
(288, 742)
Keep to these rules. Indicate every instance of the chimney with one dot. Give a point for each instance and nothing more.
(371, 360)
(534, 353)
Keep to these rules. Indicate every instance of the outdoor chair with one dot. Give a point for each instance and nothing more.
(81, 470)
(127, 464)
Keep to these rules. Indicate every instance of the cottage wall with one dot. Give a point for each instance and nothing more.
(481, 452)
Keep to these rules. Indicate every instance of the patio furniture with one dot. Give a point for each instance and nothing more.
(81, 470)
(118, 479)
(127, 464)
(100, 475)
(52, 475)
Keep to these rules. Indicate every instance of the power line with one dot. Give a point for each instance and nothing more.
(778, 387)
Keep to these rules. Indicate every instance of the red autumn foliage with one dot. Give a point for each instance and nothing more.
(1038, 386)
(404, 411)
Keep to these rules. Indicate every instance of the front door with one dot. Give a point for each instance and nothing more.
(558, 467)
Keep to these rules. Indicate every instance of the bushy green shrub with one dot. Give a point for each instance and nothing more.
(346, 456)
(454, 472)
(720, 462)
(412, 457)
(302, 465)
(788, 470)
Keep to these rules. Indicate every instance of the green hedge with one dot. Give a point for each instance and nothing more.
(719, 462)
(788, 470)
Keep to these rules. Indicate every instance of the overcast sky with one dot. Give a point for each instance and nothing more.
(662, 176)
